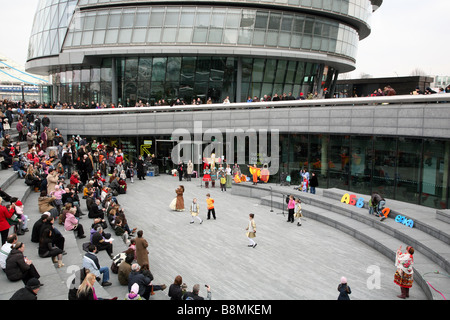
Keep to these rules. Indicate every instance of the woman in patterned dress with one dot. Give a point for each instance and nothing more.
(404, 275)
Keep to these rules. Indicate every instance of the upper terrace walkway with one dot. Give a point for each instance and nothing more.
(413, 116)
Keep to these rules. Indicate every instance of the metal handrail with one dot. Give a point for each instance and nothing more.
(352, 102)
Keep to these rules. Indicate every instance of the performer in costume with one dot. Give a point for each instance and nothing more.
(404, 274)
(206, 176)
(179, 206)
(251, 230)
(298, 211)
(228, 176)
(255, 172)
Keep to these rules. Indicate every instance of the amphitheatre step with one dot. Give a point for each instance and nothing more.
(376, 239)
(433, 247)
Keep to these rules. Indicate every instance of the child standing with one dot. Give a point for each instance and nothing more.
(195, 210)
(344, 290)
(298, 211)
(251, 230)
(210, 206)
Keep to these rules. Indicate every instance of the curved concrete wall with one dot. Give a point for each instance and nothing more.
(406, 119)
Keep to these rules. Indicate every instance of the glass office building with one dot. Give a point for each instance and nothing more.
(123, 52)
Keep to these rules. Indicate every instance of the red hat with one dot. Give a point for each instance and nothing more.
(18, 203)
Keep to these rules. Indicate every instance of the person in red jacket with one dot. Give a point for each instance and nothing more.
(4, 225)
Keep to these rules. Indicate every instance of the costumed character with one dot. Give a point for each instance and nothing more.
(206, 176)
(255, 172)
(265, 173)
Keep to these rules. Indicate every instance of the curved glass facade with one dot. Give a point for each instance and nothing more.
(150, 79)
(50, 27)
(359, 9)
(180, 26)
(194, 49)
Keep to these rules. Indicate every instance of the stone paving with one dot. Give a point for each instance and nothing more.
(289, 262)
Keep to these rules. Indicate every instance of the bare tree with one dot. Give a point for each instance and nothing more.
(418, 72)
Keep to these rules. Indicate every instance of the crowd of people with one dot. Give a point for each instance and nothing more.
(66, 173)
(64, 176)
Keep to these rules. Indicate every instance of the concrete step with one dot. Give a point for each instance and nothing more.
(375, 238)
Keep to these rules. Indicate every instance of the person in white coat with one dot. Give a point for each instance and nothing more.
(251, 230)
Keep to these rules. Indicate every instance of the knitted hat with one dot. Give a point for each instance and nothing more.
(134, 288)
(19, 203)
(343, 280)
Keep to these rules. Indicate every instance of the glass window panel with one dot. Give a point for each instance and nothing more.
(188, 70)
(156, 18)
(258, 70)
(408, 170)
(324, 45)
(159, 69)
(306, 42)
(187, 18)
(85, 75)
(286, 24)
(89, 23)
(154, 35)
(247, 66)
(105, 72)
(173, 69)
(170, 35)
(274, 21)
(316, 43)
(339, 162)
(434, 173)
(259, 37)
(245, 36)
(202, 19)
(298, 24)
(269, 72)
(296, 40)
(261, 20)
(172, 16)
(218, 19)
(215, 35)
(127, 20)
(309, 26)
(231, 36)
(76, 38)
(111, 36)
(291, 71)
(200, 35)
(139, 35)
(284, 39)
(267, 89)
(361, 164)
(385, 152)
(145, 69)
(131, 69)
(99, 37)
(142, 19)
(185, 35)
(272, 39)
(280, 71)
(203, 69)
(125, 35)
(87, 38)
(114, 21)
(76, 76)
(233, 20)
(247, 19)
(256, 90)
(95, 75)
(101, 21)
